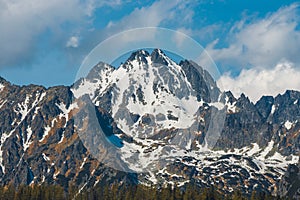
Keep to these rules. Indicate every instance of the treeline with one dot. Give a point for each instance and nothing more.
(191, 192)
(37, 192)
(115, 192)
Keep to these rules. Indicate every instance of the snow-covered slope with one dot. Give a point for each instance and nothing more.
(150, 116)
(149, 93)
(163, 111)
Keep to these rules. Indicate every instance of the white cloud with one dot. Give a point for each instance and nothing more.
(262, 42)
(154, 15)
(91, 5)
(266, 47)
(257, 82)
(22, 22)
(73, 42)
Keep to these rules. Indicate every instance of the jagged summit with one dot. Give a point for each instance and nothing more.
(151, 108)
(4, 82)
(139, 55)
(157, 56)
(99, 71)
(2, 79)
(153, 88)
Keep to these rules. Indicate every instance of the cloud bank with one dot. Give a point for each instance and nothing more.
(23, 22)
(258, 82)
(266, 51)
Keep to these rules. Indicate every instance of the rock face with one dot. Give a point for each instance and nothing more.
(155, 117)
(38, 141)
(289, 185)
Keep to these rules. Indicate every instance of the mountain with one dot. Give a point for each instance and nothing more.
(150, 121)
(290, 183)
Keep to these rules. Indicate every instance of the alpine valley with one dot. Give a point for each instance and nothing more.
(150, 121)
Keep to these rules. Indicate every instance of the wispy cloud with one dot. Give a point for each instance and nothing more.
(153, 15)
(261, 43)
(73, 42)
(264, 51)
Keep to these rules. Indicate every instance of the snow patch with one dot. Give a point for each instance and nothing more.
(27, 143)
(231, 107)
(47, 129)
(23, 108)
(96, 182)
(1, 87)
(2, 103)
(62, 138)
(65, 110)
(46, 132)
(273, 109)
(189, 144)
(288, 125)
(43, 178)
(82, 164)
(35, 112)
(46, 158)
(80, 190)
(55, 174)
(91, 87)
(152, 178)
(1, 161)
(268, 148)
(255, 149)
(86, 87)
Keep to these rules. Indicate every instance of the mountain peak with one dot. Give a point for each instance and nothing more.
(3, 81)
(158, 56)
(138, 55)
(158, 51)
(98, 70)
(154, 118)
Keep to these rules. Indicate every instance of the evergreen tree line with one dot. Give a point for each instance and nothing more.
(124, 192)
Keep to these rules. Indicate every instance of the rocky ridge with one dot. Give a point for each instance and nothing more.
(146, 104)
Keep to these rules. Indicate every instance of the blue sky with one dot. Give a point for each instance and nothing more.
(255, 44)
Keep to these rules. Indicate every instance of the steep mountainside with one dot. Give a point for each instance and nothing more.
(151, 121)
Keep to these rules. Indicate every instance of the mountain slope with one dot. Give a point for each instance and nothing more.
(151, 121)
